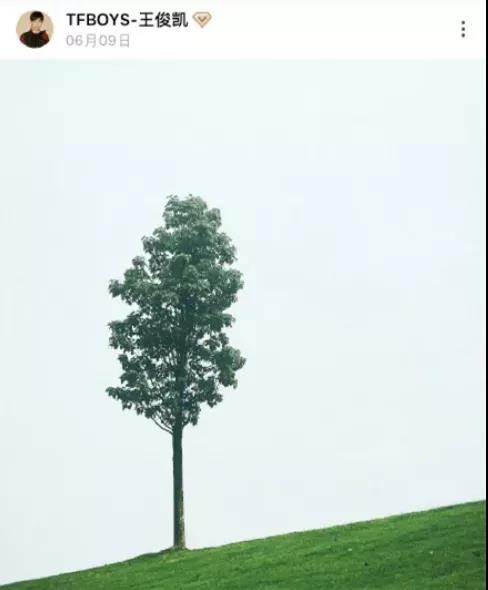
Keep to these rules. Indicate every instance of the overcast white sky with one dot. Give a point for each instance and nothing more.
(354, 193)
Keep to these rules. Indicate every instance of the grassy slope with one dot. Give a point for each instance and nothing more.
(440, 549)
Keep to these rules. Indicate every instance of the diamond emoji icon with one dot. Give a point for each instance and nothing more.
(202, 18)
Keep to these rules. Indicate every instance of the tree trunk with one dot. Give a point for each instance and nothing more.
(178, 512)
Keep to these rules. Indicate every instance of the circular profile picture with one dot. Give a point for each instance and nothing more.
(35, 29)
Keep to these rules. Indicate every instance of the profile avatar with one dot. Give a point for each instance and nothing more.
(36, 36)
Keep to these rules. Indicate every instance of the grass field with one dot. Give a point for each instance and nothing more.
(440, 549)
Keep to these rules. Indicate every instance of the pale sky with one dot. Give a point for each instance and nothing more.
(354, 193)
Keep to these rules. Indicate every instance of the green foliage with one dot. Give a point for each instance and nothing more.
(435, 550)
(174, 350)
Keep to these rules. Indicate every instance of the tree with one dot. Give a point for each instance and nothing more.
(173, 346)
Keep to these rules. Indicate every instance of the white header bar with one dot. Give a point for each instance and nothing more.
(248, 29)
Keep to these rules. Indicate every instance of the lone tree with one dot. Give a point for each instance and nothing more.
(173, 345)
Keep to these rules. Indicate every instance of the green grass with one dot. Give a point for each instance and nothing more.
(439, 549)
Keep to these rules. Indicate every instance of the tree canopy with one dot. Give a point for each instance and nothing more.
(173, 346)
